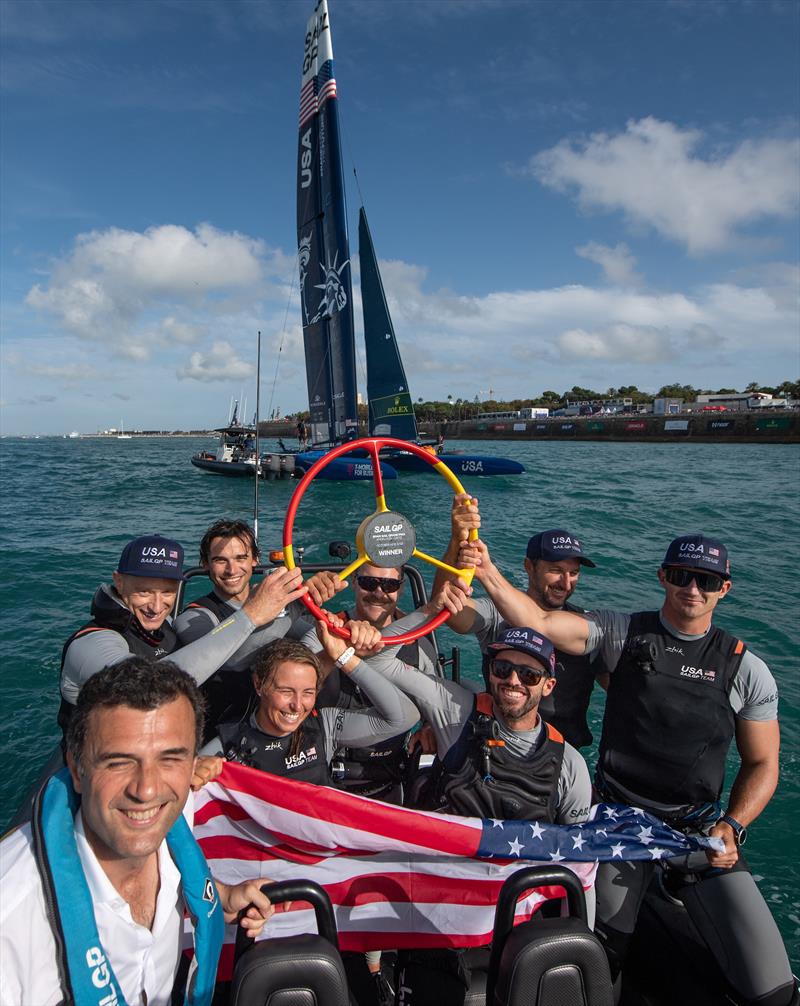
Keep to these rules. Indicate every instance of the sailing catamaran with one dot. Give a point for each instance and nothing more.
(326, 294)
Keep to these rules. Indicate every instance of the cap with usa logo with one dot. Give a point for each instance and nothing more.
(152, 555)
(697, 551)
(527, 641)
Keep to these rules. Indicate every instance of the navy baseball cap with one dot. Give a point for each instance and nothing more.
(552, 546)
(696, 551)
(527, 641)
(152, 555)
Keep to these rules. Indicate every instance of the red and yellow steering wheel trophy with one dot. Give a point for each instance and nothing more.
(385, 538)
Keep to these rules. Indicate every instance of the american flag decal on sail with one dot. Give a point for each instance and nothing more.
(316, 91)
(399, 877)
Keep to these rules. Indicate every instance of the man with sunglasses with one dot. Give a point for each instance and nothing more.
(554, 560)
(680, 690)
(496, 758)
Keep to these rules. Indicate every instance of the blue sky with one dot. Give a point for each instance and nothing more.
(595, 193)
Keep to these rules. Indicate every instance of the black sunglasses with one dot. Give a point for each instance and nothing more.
(503, 669)
(709, 583)
(387, 583)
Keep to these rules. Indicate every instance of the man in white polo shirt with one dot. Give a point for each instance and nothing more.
(93, 891)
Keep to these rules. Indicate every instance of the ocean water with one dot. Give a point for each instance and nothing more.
(69, 506)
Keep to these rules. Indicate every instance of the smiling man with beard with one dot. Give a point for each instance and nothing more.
(553, 563)
(496, 758)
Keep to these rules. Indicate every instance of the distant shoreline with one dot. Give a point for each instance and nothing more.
(778, 426)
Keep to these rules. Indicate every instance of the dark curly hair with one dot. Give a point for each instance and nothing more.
(140, 683)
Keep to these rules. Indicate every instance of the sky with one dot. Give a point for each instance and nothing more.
(595, 193)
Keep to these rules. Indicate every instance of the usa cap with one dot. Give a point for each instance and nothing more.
(697, 551)
(527, 641)
(557, 544)
(152, 555)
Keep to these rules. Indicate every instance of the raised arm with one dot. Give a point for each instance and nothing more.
(391, 712)
(464, 517)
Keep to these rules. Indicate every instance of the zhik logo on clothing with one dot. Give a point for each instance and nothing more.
(209, 893)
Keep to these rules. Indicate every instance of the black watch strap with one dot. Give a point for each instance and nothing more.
(739, 830)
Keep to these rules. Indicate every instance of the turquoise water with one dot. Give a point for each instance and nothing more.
(69, 506)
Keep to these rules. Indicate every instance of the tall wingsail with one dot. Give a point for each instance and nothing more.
(391, 411)
(323, 252)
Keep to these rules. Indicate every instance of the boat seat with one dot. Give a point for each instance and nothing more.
(546, 962)
(294, 970)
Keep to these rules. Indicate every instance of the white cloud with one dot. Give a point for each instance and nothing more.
(617, 263)
(508, 338)
(653, 173)
(617, 342)
(220, 364)
(132, 291)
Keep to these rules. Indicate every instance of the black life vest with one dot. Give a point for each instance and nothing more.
(668, 720)
(108, 614)
(213, 603)
(377, 770)
(480, 777)
(566, 706)
(251, 746)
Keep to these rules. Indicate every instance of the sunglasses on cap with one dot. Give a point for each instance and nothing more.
(503, 669)
(710, 583)
(388, 584)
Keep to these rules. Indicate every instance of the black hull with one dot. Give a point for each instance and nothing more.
(237, 469)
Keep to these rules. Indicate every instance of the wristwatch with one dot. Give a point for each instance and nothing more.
(345, 658)
(739, 830)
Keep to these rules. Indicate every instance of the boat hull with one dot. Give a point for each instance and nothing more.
(237, 469)
(349, 468)
(459, 464)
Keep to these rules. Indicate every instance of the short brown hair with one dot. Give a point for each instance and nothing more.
(228, 529)
(140, 683)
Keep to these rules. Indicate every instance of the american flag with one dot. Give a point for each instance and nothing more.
(399, 877)
(316, 91)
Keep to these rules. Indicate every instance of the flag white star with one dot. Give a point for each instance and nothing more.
(496, 823)
(616, 850)
(556, 856)
(514, 847)
(638, 810)
(537, 829)
(657, 853)
(603, 832)
(577, 843)
(610, 813)
(645, 835)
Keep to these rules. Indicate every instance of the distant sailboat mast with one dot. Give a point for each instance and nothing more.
(326, 294)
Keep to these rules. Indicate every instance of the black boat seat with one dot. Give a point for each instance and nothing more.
(294, 970)
(546, 962)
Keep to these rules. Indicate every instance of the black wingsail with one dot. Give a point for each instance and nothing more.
(391, 411)
(323, 251)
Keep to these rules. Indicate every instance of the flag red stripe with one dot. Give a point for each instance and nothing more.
(446, 835)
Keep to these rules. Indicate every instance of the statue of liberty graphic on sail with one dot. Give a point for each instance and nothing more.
(334, 290)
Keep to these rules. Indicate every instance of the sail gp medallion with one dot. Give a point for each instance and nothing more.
(388, 538)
